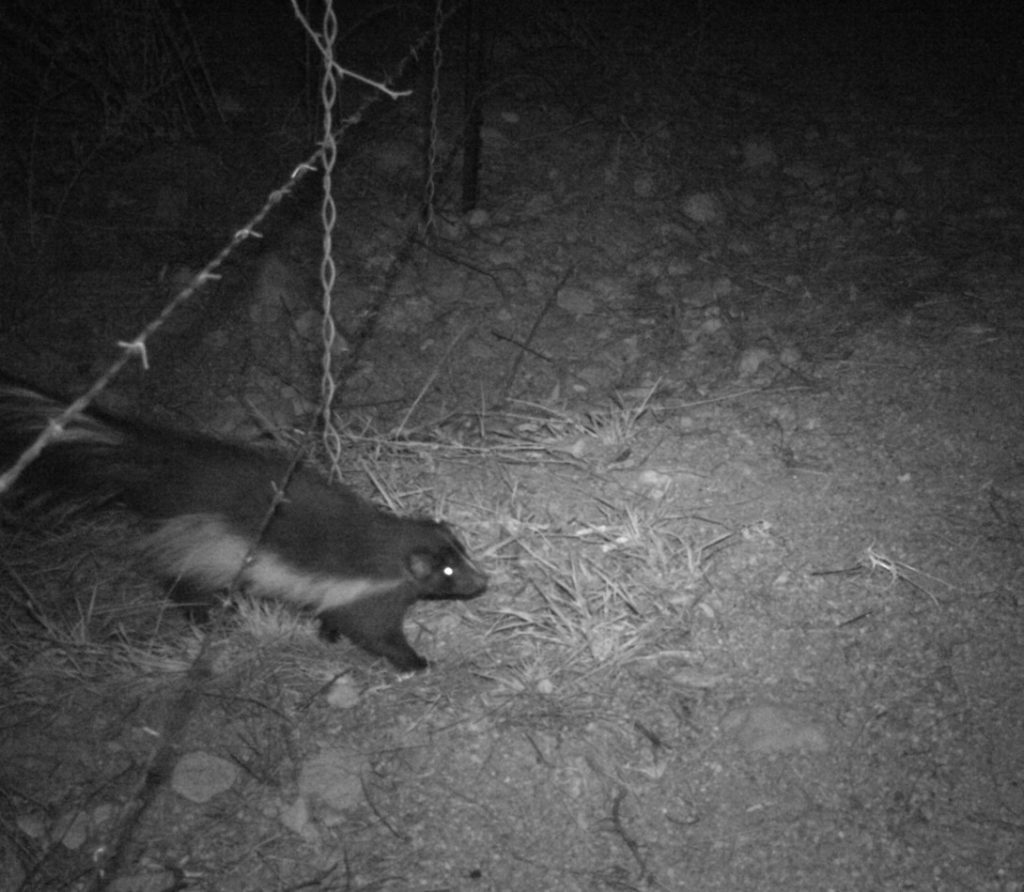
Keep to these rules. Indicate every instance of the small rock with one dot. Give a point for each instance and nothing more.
(333, 778)
(644, 185)
(297, 818)
(343, 693)
(200, 776)
(751, 361)
(704, 208)
(576, 301)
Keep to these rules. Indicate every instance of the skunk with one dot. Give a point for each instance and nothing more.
(324, 548)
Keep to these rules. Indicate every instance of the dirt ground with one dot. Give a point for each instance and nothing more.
(721, 383)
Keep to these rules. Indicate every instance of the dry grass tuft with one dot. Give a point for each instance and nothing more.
(898, 571)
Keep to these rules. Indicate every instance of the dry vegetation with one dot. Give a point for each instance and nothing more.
(733, 421)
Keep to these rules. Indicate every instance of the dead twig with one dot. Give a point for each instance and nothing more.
(524, 347)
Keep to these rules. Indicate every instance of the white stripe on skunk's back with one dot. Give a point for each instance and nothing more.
(202, 550)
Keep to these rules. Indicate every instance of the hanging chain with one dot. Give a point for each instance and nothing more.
(430, 189)
(328, 217)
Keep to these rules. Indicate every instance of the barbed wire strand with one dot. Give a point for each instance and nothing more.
(137, 345)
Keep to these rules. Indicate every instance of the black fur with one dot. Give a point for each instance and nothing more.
(327, 549)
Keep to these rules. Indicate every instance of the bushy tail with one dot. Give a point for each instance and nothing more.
(157, 472)
(74, 466)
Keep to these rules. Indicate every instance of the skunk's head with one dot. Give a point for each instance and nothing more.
(442, 569)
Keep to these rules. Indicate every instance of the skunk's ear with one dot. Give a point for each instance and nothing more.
(421, 564)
